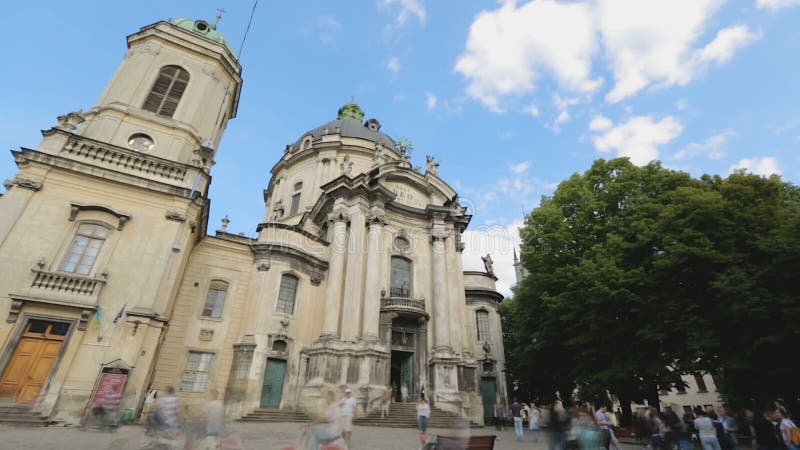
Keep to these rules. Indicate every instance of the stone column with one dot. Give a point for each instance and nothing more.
(441, 310)
(354, 277)
(372, 286)
(333, 290)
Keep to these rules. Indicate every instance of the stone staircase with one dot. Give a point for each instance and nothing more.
(404, 415)
(12, 413)
(275, 416)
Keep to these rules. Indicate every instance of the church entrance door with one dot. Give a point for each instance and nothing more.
(272, 389)
(33, 360)
(488, 395)
(402, 372)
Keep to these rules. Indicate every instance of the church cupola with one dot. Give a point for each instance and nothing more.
(172, 95)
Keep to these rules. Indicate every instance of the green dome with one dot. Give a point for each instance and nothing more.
(204, 29)
(350, 110)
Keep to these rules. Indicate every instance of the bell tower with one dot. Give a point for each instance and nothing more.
(173, 94)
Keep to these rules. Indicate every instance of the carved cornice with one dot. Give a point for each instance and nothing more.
(175, 216)
(294, 228)
(75, 208)
(266, 252)
(24, 183)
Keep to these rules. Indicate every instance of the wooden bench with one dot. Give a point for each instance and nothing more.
(465, 443)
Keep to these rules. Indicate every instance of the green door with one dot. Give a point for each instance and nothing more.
(406, 376)
(489, 395)
(273, 383)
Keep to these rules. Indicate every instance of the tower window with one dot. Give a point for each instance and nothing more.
(167, 91)
(84, 249)
(482, 318)
(287, 294)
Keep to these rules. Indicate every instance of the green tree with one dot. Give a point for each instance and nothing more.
(642, 274)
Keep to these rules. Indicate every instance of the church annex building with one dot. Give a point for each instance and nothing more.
(111, 282)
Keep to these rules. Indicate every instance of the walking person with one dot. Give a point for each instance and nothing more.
(423, 412)
(168, 409)
(602, 425)
(516, 414)
(404, 393)
(326, 427)
(348, 413)
(497, 416)
(706, 430)
(766, 435)
(533, 422)
(789, 431)
(386, 400)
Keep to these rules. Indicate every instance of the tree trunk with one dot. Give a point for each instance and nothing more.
(625, 408)
(652, 396)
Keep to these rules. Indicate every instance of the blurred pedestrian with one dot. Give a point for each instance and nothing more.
(516, 414)
(404, 393)
(423, 413)
(533, 422)
(497, 416)
(348, 413)
(706, 430)
(767, 434)
(788, 428)
(603, 426)
(386, 400)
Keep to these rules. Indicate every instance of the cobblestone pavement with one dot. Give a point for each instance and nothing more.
(266, 436)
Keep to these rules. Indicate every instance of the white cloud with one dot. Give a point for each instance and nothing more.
(431, 100)
(498, 241)
(393, 65)
(600, 123)
(681, 104)
(407, 10)
(328, 29)
(765, 166)
(646, 43)
(521, 167)
(774, 5)
(563, 117)
(509, 48)
(727, 41)
(639, 138)
(713, 147)
(398, 98)
(532, 110)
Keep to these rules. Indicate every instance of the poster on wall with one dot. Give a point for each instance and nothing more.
(110, 385)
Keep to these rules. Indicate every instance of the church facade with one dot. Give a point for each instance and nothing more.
(110, 281)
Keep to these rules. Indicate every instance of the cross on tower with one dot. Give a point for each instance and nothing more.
(220, 12)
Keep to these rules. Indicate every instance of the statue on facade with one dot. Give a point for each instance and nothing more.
(70, 121)
(379, 158)
(432, 165)
(346, 166)
(488, 264)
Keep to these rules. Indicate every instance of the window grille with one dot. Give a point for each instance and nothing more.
(401, 278)
(195, 376)
(167, 91)
(482, 317)
(84, 249)
(287, 294)
(215, 299)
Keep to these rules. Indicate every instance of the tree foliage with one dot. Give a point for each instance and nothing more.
(642, 274)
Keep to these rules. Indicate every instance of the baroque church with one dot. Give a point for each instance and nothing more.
(111, 283)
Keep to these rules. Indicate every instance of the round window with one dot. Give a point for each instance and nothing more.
(140, 142)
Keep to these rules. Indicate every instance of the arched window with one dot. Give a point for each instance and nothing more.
(215, 299)
(287, 294)
(401, 277)
(296, 198)
(167, 91)
(482, 319)
(84, 249)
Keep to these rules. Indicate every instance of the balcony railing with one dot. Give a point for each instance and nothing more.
(114, 157)
(66, 283)
(400, 292)
(404, 304)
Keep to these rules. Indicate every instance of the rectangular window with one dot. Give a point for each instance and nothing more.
(287, 294)
(295, 204)
(84, 249)
(701, 383)
(482, 318)
(195, 376)
(215, 299)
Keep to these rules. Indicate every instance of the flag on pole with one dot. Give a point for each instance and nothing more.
(120, 313)
(96, 319)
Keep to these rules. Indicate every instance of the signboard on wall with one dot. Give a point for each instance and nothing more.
(109, 388)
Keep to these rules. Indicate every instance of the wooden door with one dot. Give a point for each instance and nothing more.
(33, 360)
(272, 389)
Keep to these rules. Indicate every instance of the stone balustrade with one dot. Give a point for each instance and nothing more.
(119, 158)
(403, 304)
(66, 283)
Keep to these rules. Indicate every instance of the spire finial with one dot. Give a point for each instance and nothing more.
(220, 12)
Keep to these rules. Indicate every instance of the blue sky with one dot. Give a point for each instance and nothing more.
(511, 97)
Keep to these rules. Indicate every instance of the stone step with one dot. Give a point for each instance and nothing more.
(275, 416)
